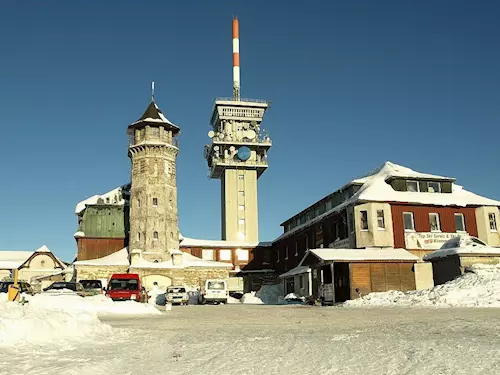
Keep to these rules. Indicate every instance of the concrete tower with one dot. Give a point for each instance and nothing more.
(238, 156)
(153, 148)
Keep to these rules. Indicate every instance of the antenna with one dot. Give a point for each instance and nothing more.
(153, 91)
(236, 60)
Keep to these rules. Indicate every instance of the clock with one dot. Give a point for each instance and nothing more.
(243, 153)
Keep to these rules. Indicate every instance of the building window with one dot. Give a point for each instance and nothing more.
(409, 223)
(278, 256)
(364, 220)
(242, 254)
(155, 202)
(297, 248)
(434, 187)
(241, 207)
(328, 204)
(139, 203)
(155, 236)
(241, 194)
(286, 252)
(241, 177)
(493, 222)
(434, 222)
(301, 282)
(224, 254)
(460, 222)
(207, 254)
(138, 236)
(306, 242)
(412, 186)
(380, 219)
(351, 222)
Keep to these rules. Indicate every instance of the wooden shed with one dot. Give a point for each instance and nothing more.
(342, 274)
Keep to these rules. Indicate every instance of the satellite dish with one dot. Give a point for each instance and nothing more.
(232, 148)
(221, 136)
(211, 134)
(246, 125)
(251, 134)
(244, 153)
(216, 148)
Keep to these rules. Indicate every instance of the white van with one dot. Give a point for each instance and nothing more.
(213, 291)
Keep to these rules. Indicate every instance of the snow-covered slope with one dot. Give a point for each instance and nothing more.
(478, 288)
(27, 324)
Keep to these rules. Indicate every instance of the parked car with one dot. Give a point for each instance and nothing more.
(24, 287)
(177, 294)
(214, 291)
(124, 287)
(65, 287)
(92, 287)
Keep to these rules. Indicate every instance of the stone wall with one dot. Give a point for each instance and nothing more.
(184, 276)
(98, 272)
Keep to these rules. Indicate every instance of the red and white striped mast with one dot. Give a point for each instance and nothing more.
(236, 60)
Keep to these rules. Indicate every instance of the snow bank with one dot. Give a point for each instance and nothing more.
(267, 295)
(480, 287)
(98, 304)
(26, 324)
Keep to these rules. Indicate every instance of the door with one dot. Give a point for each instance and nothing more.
(341, 281)
(290, 286)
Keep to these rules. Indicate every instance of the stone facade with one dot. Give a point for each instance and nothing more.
(153, 199)
(98, 272)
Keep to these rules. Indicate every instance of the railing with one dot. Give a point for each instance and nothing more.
(173, 142)
(243, 100)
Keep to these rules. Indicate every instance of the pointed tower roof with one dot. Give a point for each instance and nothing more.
(154, 116)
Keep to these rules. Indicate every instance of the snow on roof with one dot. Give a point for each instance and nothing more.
(191, 242)
(10, 259)
(363, 254)
(119, 258)
(463, 245)
(154, 114)
(295, 271)
(375, 188)
(114, 197)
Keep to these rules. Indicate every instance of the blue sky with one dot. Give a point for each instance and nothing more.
(352, 84)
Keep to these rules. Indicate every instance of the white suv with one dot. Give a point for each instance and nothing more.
(177, 294)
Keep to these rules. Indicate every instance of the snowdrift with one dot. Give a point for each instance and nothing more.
(25, 324)
(96, 304)
(266, 295)
(480, 287)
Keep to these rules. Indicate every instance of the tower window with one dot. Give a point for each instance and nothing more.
(155, 236)
(155, 202)
(241, 177)
(138, 236)
(138, 203)
(241, 207)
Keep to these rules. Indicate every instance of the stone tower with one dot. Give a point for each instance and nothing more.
(153, 148)
(237, 156)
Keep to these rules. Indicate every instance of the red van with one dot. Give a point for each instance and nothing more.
(124, 286)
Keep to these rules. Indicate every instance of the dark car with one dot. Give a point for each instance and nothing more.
(65, 285)
(92, 287)
(24, 287)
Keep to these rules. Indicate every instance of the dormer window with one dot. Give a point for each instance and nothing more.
(434, 187)
(412, 186)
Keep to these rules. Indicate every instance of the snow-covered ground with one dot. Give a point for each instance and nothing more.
(480, 287)
(262, 339)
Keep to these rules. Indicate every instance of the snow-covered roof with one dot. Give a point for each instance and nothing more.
(192, 242)
(295, 271)
(375, 188)
(369, 254)
(10, 259)
(463, 245)
(113, 197)
(119, 258)
(154, 114)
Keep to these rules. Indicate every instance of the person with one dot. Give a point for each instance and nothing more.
(143, 296)
(154, 293)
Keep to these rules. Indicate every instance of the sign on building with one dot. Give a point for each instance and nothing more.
(427, 240)
(340, 244)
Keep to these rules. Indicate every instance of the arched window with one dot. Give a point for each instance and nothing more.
(155, 236)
